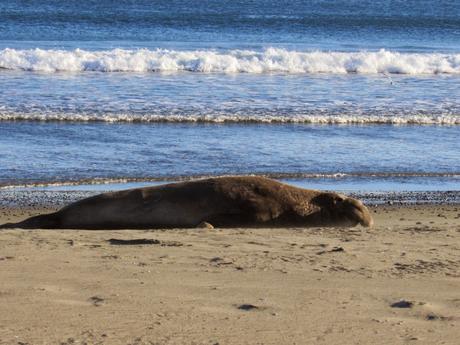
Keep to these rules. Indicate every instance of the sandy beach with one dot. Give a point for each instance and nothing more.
(359, 98)
(395, 283)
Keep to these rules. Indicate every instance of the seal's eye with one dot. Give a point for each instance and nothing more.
(338, 202)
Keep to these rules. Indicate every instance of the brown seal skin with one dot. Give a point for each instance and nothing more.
(245, 201)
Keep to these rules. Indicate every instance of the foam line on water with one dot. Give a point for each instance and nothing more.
(380, 119)
(269, 119)
(270, 60)
(278, 176)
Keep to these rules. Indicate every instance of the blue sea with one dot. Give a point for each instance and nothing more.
(334, 94)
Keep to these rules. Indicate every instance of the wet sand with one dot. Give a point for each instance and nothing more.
(395, 283)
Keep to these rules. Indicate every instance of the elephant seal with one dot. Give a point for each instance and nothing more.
(240, 201)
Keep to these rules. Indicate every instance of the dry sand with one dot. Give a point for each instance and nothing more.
(236, 286)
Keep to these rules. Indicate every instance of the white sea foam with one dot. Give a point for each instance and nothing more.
(271, 60)
(395, 119)
(132, 181)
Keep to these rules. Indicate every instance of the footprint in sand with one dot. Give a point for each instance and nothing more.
(426, 311)
(96, 301)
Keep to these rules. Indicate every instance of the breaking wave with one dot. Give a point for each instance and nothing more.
(271, 60)
(351, 119)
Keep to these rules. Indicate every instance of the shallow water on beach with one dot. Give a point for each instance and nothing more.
(97, 152)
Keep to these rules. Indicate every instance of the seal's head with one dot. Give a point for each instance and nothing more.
(340, 210)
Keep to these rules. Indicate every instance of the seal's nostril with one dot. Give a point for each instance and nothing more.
(368, 222)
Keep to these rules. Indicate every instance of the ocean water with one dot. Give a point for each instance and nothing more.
(336, 94)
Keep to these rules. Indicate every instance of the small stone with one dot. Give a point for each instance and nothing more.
(402, 304)
(432, 317)
(247, 307)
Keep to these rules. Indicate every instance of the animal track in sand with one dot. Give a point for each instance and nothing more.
(448, 267)
(333, 250)
(218, 261)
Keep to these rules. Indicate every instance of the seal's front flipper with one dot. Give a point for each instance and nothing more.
(205, 225)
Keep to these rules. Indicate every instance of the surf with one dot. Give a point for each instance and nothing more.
(270, 60)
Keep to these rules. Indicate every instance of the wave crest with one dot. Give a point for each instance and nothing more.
(271, 60)
(345, 119)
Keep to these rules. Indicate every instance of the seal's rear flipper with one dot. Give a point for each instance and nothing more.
(45, 221)
(8, 226)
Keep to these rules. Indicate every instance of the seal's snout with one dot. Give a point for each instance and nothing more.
(358, 212)
(340, 210)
